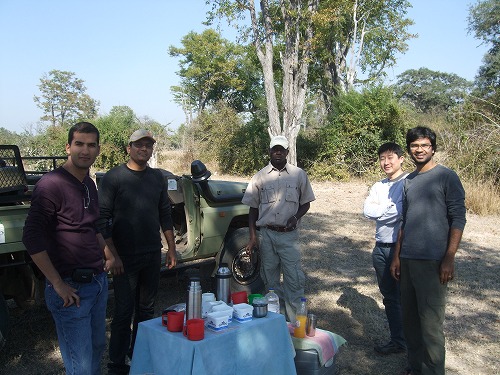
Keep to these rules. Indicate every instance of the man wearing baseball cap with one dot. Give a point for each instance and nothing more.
(278, 196)
(134, 205)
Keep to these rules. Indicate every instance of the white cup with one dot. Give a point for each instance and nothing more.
(207, 297)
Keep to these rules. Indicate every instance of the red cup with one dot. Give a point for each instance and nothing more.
(164, 319)
(175, 321)
(239, 297)
(194, 329)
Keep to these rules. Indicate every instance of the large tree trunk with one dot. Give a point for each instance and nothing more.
(295, 65)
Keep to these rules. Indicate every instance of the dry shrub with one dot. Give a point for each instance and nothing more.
(482, 198)
(176, 161)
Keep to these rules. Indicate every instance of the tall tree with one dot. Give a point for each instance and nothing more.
(484, 22)
(64, 99)
(208, 69)
(357, 36)
(429, 90)
(294, 18)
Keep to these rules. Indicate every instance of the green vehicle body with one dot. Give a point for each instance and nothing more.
(210, 225)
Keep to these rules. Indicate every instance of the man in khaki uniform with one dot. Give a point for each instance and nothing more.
(278, 196)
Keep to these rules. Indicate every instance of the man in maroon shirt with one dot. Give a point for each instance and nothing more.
(61, 237)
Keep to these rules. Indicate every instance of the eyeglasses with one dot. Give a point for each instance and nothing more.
(139, 145)
(416, 146)
(86, 200)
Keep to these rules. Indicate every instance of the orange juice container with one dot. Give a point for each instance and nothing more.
(300, 319)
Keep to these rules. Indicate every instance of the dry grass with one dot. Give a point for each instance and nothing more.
(482, 198)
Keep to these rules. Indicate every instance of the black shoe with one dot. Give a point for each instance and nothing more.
(118, 369)
(390, 348)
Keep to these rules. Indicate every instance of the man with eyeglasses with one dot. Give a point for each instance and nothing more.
(60, 235)
(431, 230)
(134, 207)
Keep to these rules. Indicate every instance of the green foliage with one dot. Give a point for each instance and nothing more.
(63, 99)
(249, 150)
(360, 123)
(209, 68)
(472, 140)
(9, 138)
(221, 137)
(356, 37)
(115, 129)
(484, 22)
(428, 90)
(213, 131)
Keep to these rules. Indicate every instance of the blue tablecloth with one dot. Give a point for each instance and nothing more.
(260, 346)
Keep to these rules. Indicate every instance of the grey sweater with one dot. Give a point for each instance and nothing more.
(433, 203)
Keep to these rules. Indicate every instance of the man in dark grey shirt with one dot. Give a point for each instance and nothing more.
(431, 231)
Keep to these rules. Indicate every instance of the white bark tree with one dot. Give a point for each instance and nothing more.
(295, 18)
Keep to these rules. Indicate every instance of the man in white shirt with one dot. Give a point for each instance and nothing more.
(384, 204)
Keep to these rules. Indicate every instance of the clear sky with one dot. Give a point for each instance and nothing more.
(120, 49)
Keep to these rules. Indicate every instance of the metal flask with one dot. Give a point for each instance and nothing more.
(193, 306)
(223, 280)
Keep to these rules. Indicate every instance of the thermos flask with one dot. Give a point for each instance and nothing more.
(223, 280)
(193, 306)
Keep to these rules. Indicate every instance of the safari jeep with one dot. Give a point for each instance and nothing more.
(210, 222)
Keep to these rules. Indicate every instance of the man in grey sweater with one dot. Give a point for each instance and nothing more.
(431, 231)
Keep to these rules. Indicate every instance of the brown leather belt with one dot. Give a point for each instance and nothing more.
(277, 228)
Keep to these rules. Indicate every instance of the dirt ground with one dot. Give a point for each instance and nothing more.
(342, 291)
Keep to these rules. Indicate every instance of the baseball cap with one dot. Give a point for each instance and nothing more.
(141, 133)
(279, 140)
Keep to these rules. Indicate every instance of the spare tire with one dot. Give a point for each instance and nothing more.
(246, 275)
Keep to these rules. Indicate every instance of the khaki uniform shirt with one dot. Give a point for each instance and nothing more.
(278, 194)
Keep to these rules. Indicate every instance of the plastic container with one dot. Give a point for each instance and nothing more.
(273, 302)
(307, 363)
(242, 312)
(239, 297)
(217, 320)
(300, 319)
(251, 297)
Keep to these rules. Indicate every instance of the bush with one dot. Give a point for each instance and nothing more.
(360, 123)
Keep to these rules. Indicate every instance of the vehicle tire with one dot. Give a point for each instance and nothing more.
(246, 275)
(4, 321)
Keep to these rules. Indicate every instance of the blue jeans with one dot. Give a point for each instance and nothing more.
(134, 291)
(389, 287)
(81, 331)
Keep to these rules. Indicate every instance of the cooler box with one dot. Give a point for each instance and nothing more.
(307, 363)
(316, 355)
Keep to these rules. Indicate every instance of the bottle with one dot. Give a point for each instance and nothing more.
(193, 306)
(223, 280)
(300, 319)
(273, 302)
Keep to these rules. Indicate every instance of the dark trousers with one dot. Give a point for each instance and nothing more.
(134, 293)
(389, 287)
(423, 300)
